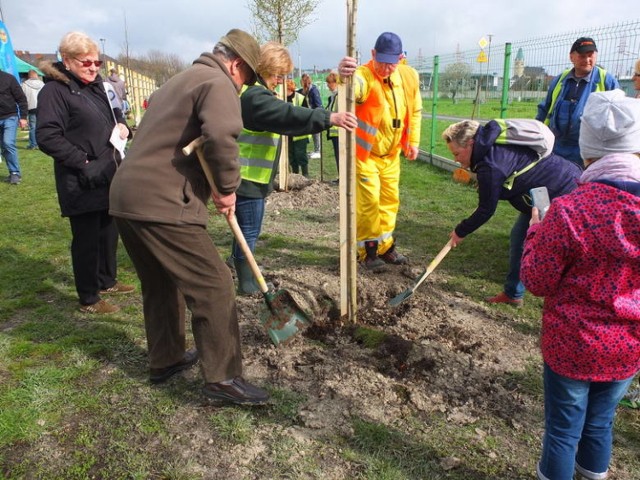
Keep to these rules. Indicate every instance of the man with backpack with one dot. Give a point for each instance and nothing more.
(509, 157)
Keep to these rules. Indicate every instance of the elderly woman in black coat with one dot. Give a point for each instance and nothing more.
(78, 127)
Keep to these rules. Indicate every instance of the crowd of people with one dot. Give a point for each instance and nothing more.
(583, 257)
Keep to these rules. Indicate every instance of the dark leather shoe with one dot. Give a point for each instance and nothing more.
(237, 391)
(159, 375)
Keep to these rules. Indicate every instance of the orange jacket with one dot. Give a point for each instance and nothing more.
(371, 99)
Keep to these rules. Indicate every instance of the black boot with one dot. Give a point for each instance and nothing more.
(305, 170)
(372, 261)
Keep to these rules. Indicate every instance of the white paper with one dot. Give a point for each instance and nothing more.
(117, 142)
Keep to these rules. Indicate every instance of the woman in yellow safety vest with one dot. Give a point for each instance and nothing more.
(332, 106)
(265, 118)
(298, 159)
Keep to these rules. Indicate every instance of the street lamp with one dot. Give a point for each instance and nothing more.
(102, 41)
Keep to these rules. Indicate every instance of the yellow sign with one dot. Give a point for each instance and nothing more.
(483, 42)
(482, 57)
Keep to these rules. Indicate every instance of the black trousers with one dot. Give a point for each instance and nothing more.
(179, 266)
(93, 254)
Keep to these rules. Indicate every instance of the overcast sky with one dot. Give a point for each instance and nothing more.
(189, 27)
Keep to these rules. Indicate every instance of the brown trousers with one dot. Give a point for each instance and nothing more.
(178, 265)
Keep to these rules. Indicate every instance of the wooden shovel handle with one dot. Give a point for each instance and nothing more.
(231, 219)
(434, 263)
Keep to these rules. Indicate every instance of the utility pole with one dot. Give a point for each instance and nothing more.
(103, 41)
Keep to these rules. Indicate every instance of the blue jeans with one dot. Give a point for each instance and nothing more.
(513, 287)
(578, 419)
(31, 117)
(249, 212)
(9, 127)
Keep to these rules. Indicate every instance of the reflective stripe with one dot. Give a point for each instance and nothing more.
(255, 139)
(502, 138)
(379, 239)
(298, 99)
(255, 162)
(257, 154)
(508, 183)
(364, 144)
(556, 90)
(368, 129)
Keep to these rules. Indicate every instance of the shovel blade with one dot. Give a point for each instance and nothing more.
(285, 318)
(401, 297)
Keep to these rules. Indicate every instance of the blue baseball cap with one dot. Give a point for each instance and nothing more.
(388, 48)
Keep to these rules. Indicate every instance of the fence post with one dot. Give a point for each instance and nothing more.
(434, 105)
(506, 80)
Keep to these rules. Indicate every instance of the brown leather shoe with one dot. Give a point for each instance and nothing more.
(236, 390)
(118, 288)
(100, 307)
(503, 298)
(159, 375)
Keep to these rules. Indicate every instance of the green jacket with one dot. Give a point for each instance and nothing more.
(263, 111)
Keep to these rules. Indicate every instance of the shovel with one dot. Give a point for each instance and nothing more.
(432, 266)
(285, 318)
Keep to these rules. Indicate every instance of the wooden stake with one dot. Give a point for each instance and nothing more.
(347, 142)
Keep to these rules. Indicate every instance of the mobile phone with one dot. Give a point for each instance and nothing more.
(540, 199)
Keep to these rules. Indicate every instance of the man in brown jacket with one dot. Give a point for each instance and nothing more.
(159, 198)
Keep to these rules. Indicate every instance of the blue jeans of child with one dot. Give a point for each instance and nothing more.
(249, 212)
(513, 287)
(578, 426)
(9, 129)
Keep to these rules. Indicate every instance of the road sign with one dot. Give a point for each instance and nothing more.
(483, 42)
(482, 57)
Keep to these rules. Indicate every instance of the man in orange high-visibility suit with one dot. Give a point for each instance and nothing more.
(389, 111)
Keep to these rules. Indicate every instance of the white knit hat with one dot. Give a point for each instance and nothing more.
(610, 124)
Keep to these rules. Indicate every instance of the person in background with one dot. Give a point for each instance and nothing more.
(265, 118)
(636, 78)
(506, 172)
(584, 259)
(120, 89)
(389, 111)
(13, 113)
(312, 94)
(298, 159)
(568, 92)
(31, 87)
(75, 122)
(159, 198)
(332, 106)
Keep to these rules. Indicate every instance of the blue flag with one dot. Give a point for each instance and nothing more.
(7, 55)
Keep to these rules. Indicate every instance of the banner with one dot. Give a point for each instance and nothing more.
(7, 55)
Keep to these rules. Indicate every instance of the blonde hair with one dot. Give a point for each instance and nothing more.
(461, 133)
(637, 70)
(291, 85)
(75, 44)
(331, 78)
(274, 60)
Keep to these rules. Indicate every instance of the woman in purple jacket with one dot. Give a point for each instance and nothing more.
(506, 172)
(584, 258)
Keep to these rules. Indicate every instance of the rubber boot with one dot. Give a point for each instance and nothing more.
(247, 284)
(372, 261)
(305, 170)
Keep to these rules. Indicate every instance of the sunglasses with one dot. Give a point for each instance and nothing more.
(87, 63)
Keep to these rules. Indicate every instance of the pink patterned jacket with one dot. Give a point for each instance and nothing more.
(584, 258)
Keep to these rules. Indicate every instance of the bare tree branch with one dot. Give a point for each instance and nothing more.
(281, 20)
